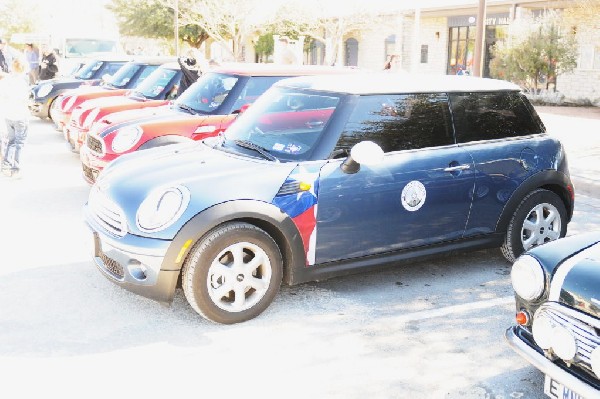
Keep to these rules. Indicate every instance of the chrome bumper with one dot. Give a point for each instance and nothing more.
(547, 367)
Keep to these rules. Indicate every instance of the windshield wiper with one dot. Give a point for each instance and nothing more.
(187, 108)
(261, 150)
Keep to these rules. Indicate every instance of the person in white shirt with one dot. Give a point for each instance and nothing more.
(14, 93)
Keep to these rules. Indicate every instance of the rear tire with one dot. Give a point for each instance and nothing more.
(233, 273)
(541, 217)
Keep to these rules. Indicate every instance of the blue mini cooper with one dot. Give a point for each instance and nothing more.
(328, 175)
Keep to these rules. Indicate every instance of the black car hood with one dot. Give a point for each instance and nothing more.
(576, 281)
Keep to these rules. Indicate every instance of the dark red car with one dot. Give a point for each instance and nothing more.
(206, 108)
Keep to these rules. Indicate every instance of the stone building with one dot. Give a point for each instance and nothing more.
(439, 38)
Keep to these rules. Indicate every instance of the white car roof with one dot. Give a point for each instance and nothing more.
(390, 83)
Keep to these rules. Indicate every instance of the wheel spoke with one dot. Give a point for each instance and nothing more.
(237, 251)
(222, 291)
(240, 296)
(552, 216)
(553, 234)
(258, 284)
(528, 243)
(254, 263)
(219, 269)
(528, 225)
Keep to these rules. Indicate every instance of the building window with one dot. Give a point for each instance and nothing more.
(390, 47)
(589, 57)
(461, 46)
(424, 53)
(351, 46)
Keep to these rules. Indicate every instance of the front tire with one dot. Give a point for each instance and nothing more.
(541, 217)
(233, 273)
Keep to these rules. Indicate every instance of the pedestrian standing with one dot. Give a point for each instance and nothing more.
(5, 56)
(48, 67)
(14, 94)
(32, 56)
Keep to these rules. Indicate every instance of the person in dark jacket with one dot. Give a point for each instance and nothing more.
(48, 66)
(190, 73)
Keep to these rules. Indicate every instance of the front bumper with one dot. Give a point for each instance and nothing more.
(577, 381)
(91, 164)
(40, 108)
(134, 263)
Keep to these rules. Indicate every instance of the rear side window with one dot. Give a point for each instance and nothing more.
(489, 116)
(398, 122)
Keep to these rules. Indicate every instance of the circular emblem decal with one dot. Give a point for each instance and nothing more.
(413, 196)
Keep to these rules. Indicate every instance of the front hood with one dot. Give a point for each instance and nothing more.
(576, 282)
(130, 114)
(211, 176)
(106, 101)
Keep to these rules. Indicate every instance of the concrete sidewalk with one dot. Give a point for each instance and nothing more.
(578, 128)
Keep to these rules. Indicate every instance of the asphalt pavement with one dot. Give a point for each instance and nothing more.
(428, 329)
(578, 128)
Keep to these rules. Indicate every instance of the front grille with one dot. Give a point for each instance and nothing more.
(94, 144)
(106, 213)
(585, 334)
(89, 173)
(112, 266)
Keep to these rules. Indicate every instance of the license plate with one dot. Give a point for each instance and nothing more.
(556, 390)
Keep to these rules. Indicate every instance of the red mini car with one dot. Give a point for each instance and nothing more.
(206, 108)
(129, 76)
(158, 89)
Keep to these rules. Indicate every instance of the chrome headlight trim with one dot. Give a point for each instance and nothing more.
(161, 208)
(124, 139)
(528, 279)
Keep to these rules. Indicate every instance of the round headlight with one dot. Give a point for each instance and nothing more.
(542, 329)
(563, 343)
(44, 90)
(527, 278)
(161, 208)
(126, 138)
(595, 361)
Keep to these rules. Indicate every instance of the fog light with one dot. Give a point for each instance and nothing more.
(563, 343)
(595, 361)
(137, 270)
(542, 332)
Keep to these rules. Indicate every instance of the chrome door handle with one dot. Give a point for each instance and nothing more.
(457, 168)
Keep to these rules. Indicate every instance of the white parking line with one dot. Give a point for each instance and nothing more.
(448, 310)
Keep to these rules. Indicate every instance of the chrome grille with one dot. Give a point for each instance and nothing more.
(94, 144)
(106, 213)
(585, 333)
(90, 173)
(112, 266)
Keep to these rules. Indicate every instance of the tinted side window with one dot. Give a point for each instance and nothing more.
(399, 122)
(111, 68)
(488, 116)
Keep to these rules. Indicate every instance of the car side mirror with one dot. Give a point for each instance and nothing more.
(365, 153)
(242, 109)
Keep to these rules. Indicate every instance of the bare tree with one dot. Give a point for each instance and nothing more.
(228, 22)
(328, 22)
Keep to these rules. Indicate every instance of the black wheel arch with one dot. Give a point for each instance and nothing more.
(550, 180)
(264, 215)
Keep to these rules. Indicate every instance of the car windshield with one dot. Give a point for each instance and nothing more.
(207, 94)
(285, 123)
(87, 71)
(155, 84)
(124, 75)
(86, 47)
